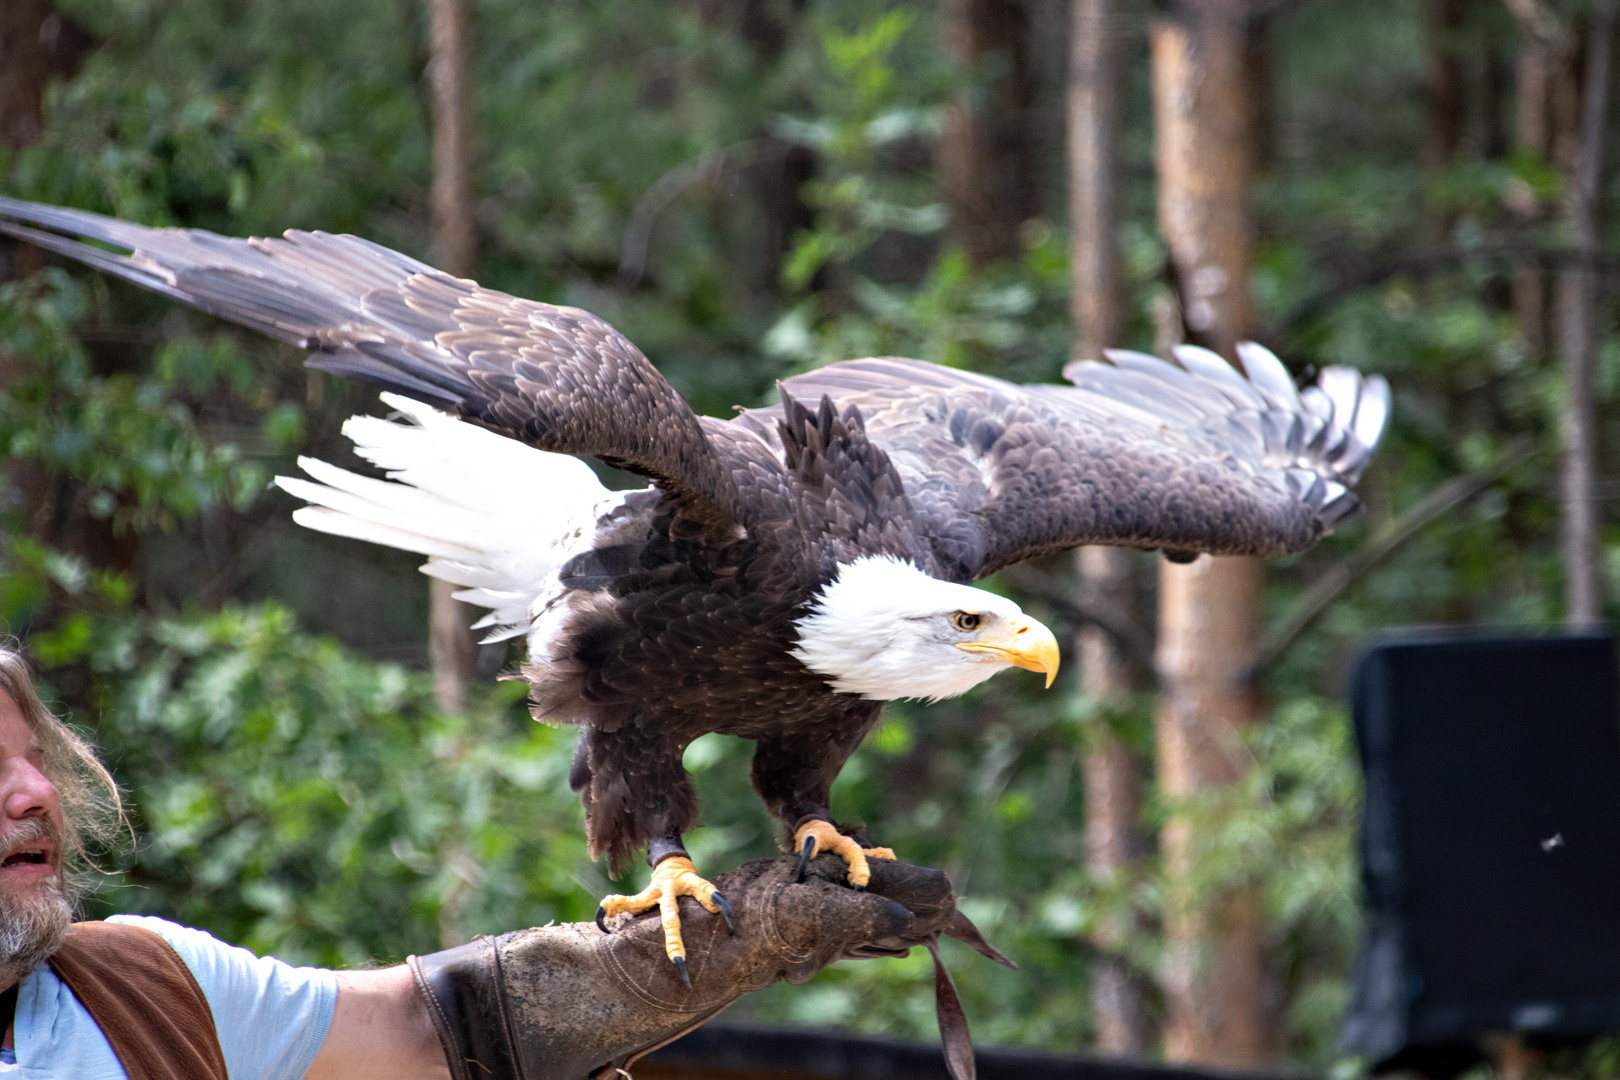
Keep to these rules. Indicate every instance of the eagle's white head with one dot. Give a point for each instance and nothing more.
(883, 629)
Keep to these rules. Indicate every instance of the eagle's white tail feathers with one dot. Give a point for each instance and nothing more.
(435, 451)
(493, 515)
(357, 527)
(392, 506)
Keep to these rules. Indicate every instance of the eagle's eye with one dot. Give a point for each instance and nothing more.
(965, 620)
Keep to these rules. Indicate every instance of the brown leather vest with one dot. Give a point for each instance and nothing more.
(144, 999)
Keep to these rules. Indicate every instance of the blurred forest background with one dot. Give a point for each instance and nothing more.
(748, 188)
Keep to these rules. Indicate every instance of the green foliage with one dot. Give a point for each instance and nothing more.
(860, 112)
(138, 455)
(301, 801)
(295, 798)
(304, 796)
(863, 195)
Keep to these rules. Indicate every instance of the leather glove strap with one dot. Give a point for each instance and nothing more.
(465, 993)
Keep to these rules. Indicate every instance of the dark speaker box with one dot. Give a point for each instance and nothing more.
(1490, 844)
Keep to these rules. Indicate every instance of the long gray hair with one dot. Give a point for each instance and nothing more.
(92, 810)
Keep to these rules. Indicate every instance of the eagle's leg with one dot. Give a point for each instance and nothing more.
(816, 836)
(673, 877)
(795, 775)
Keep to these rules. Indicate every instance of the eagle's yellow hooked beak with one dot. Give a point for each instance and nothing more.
(1024, 643)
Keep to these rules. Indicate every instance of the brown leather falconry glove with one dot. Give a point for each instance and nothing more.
(564, 1002)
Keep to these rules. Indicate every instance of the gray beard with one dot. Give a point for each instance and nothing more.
(33, 926)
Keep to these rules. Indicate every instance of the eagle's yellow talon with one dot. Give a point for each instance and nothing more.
(672, 879)
(816, 836)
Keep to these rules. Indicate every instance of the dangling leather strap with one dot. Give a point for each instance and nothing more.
(953, 1026)
(145, 1000)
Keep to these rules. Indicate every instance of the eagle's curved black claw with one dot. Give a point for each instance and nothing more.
(725, 910)
(804, 858)
(600, 912)
(858, 888)
(680, 968)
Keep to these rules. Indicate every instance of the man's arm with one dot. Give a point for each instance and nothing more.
(380, 1028)
(570, 1001)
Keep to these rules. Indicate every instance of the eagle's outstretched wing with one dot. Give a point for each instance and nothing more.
(1138, 452)
(557, 378)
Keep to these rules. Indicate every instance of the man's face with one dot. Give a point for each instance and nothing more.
(34, 914)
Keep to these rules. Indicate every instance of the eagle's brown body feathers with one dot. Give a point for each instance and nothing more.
(689, 632)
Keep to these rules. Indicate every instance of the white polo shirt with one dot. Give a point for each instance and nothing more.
(271, 1017)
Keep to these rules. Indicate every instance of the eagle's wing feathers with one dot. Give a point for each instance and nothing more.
(557, 378)
(494, 516)
(1186, 457)
(1192, 456)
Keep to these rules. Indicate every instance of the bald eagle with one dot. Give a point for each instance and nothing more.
(787, 570)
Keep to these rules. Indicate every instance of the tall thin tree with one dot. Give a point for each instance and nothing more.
(1216, 983)
(1445, 100)
(23, 74)
(986, 158)
(38, 44)
(1112, 775)
(454, 250)
(1564, 92)
(1577, 337)
(1545, 48)
(24, 70)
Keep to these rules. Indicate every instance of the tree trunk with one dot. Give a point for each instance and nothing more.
(1545, 87)
(986, 159)
(1217, 983)
(1113, 806)
(1535, 79)
(1444, 101)
(1201, 150)
(1577, 337)
(450, 641)
(454, 243)
(24, 71)
(1093, 149)
(1113, 778)
(36, 45)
